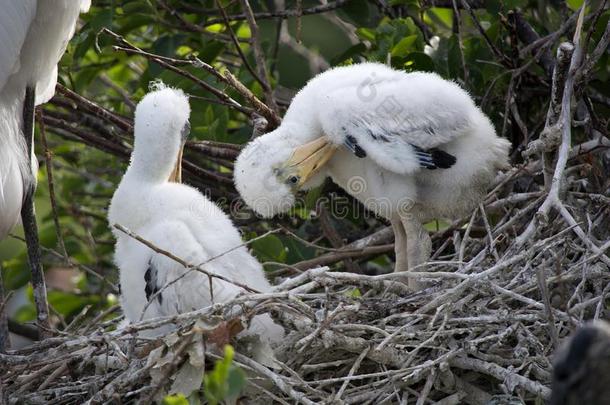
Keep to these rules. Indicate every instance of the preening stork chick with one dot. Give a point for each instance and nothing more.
(581, 370)
(178, 219)
(410, 146)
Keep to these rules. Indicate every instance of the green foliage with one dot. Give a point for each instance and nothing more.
(86, 173)
(270, 248)
(355, 293)
(178, 399)
(225, 381)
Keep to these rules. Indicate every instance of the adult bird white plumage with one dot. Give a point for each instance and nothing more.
(410, 146)
(176, 218)
(33, 37)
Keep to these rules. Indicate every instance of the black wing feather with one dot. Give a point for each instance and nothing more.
(430, 159)
(151, 285)
(352, 144)
(434, 158)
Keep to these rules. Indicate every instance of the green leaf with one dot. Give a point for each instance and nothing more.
(403, 47)
(211, 50)
(137, 20)
(404, 3)
(442, 15)
(349, 53)
(178, 399)
(297, 251)
(102, 19)
(454, 62)
(437, 225)
(358, 11)
(514, 4)
(69, 304)
(85, 42)
(16, 272)
(269, 248)
(574, 4)
(312, 198)
(355, 293)
(26, 313)
(419, 61)
(366, 34)
(165, 45)
(235, 381)
(225, 381)
(493, 7)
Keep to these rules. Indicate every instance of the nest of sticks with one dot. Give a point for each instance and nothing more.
(502, 289)
(492, 313)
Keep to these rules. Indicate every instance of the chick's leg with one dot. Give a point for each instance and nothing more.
(418, 246)
(400, 245)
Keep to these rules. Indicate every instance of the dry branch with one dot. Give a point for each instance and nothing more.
(504, 287)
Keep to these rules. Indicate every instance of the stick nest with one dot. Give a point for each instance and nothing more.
(484, 328)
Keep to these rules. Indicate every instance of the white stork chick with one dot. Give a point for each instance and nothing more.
(178, 219)
(34, 35)
(411, 147)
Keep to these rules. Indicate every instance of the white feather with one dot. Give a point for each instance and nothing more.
(85, 5)
(32, 59)
(390, 114)
(254, 177)
(13, 168)
(176, 218)
(15, 21)
(33, 37)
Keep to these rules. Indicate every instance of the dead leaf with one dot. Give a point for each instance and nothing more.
(188, 379)
(225, 331)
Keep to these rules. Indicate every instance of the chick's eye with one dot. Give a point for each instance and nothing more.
(293, 179)
(186, 130)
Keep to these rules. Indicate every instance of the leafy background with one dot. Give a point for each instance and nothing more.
(90, 152)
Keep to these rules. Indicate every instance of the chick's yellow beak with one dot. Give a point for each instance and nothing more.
(176, 174)
(305, 161)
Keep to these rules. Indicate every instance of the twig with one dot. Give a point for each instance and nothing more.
(553, 198)
(179, 355)
(528, 35)
(277, 380)
(542, 285)
(238, 46)
(550, 137)
(96, 109)
(501, 374)
(197, 267)
(423, 396)
(334, 238)
(449, 3)
(457, 22)
(51, 184)
(225, 77)
(5, 342)
(261, 62)
(322, 8)
(349, 253)
(503, 58)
